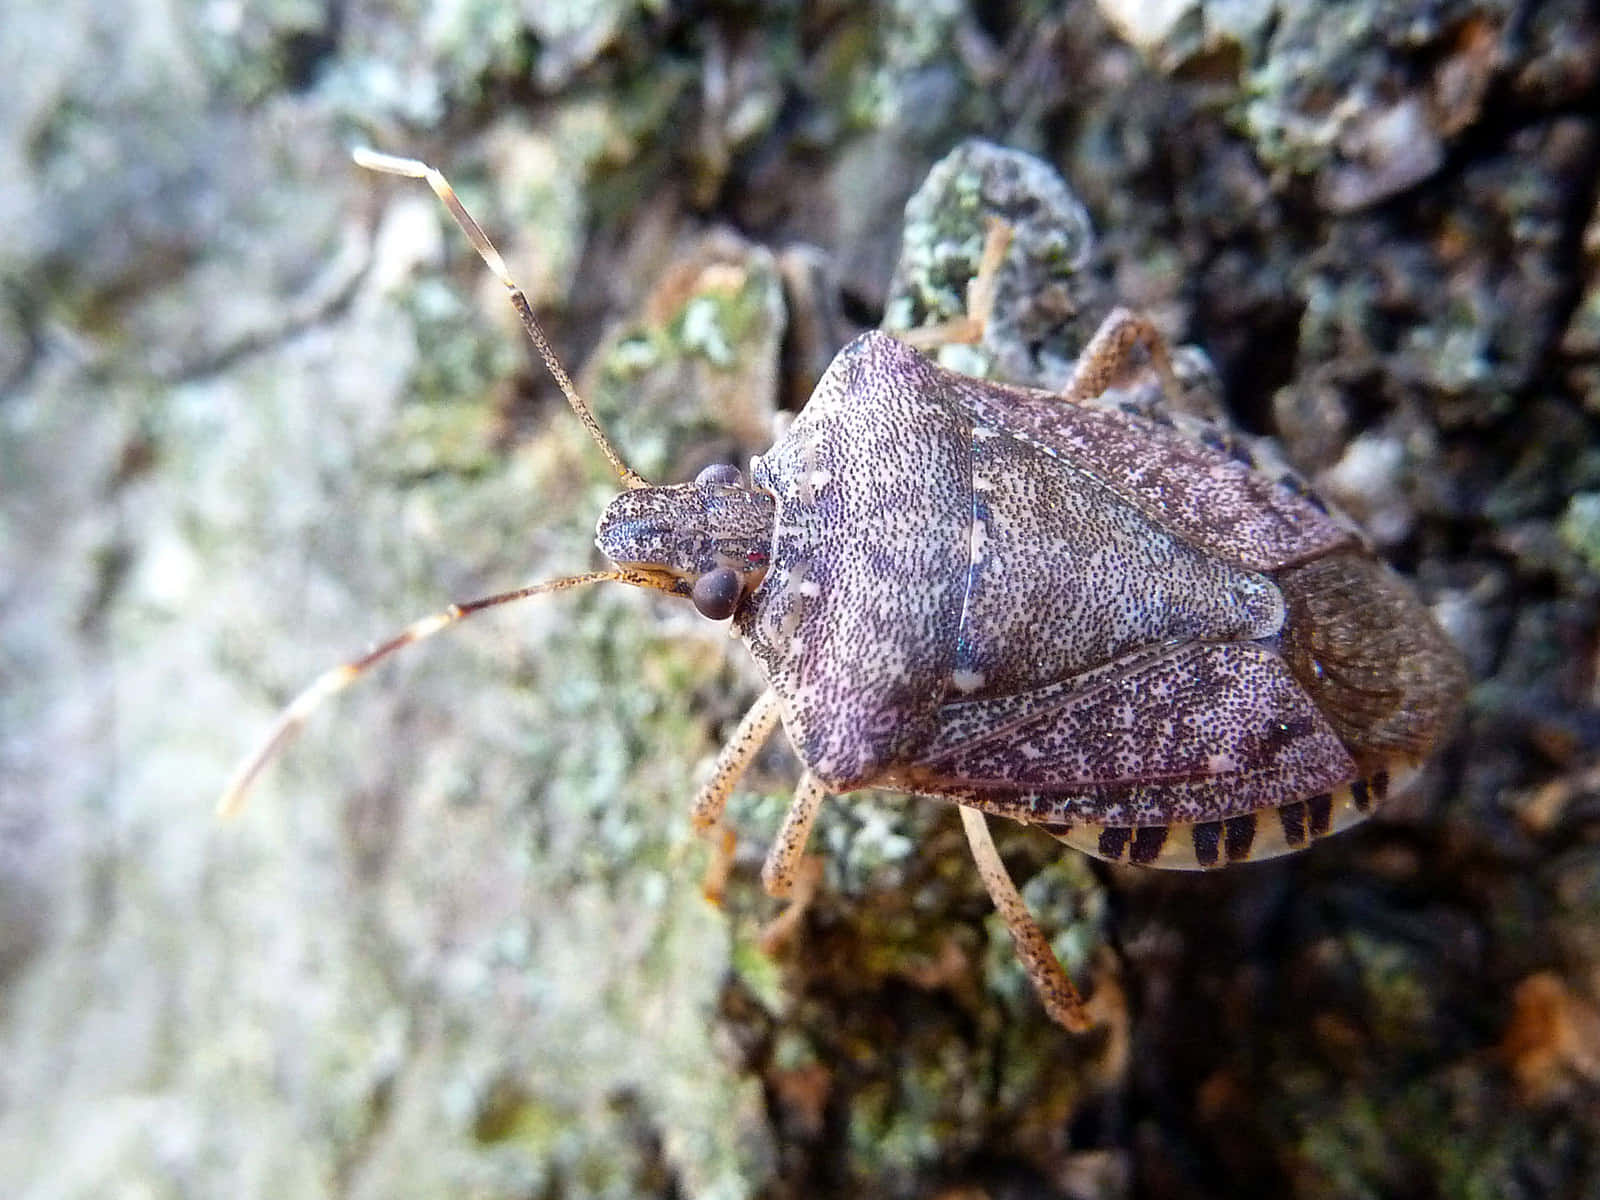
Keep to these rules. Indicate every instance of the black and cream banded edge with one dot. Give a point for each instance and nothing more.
(1267, 833)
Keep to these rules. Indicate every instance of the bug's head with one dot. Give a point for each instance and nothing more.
(708, 540)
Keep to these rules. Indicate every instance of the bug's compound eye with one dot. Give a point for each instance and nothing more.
(721, 474)
(716, 593)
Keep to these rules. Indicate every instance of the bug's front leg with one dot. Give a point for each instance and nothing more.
(1110, 353)
(788, 872)
(732, 761)
(1060, 999)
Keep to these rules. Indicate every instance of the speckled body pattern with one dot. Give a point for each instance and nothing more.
(1104, 620)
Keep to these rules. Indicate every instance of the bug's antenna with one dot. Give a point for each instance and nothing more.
(331, 683)
(412, 168)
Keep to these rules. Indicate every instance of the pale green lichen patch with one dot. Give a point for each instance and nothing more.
(1580, 529)
(947, 223)
(693, 378)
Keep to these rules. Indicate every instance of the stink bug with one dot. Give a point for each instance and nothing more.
(1087, 611)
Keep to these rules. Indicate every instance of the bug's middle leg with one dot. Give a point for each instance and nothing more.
(732, 761)
(789, 872)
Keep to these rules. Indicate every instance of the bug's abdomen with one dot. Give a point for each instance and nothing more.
(1064, 577)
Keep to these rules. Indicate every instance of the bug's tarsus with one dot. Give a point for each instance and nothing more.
(1107, 358)
(1056, 992)
(714, 883)
(807, 879)
(331, 683)
(412, 168)
(968, 329)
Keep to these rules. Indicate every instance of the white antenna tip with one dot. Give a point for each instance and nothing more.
(389, 164)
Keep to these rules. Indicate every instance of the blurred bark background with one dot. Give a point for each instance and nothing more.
(258, 408)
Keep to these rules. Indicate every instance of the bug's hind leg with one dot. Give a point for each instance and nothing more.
(1107, 358)
(789, 872)
(968, 330)
(732, 761)
(1060, 999)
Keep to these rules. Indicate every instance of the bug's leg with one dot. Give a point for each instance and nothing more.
(985, 285)
(1110, 352)
(789, 872)
(1056, 993)
(732, 761)
(968, 330)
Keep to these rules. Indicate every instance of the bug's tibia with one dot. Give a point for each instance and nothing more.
(968, 329)
(1105, 361)
(779, 872)
(733, 760)
(1060, 999)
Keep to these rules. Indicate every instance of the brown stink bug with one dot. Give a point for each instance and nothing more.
(1082, 611)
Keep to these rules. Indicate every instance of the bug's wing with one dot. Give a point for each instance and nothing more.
(1190, 733)
(1203, 485)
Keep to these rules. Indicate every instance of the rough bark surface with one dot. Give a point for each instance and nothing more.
(258, 409)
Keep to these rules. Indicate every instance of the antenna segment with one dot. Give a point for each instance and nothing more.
(412, 168)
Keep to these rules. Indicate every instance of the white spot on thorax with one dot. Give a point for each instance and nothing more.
(806, 480)
(794, 587)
